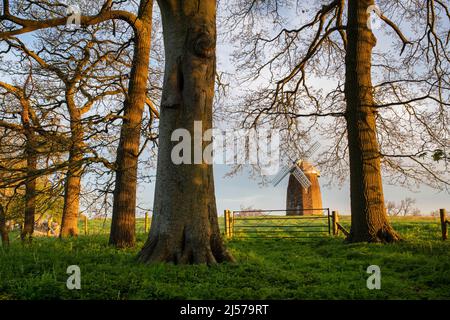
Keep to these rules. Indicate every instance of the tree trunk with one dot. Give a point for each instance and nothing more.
(124, 206)
(369, 218)
(72, 186)
(4, 232)
(185, 226)
(30, 185)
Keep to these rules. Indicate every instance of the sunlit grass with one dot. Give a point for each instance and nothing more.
(326, 268)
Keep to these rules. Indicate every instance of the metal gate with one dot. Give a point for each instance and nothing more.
(278, 224)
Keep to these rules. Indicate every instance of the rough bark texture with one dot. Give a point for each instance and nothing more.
(30, 186)
(72, 186)
(303, 199)
(124, 206)
(369, 218)
(184, 226)
(3, 228)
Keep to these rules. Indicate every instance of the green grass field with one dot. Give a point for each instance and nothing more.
(321, 268)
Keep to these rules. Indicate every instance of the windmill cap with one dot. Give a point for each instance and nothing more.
(308, 167)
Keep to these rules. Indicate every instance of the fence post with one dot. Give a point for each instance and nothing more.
(230, 218)
(85, 225)
(146, 223)
(226, 216)
(444, 224)
(335, 218)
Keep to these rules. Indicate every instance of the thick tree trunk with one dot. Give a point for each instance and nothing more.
(184, 226)
(30, 200)
(124, 205)
(72, 186)
(30, 186)
(4, 232)
(72, 189)
(369, 218)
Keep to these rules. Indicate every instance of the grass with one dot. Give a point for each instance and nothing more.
(326, 268)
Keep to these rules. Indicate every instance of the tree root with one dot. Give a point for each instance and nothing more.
(188, 251)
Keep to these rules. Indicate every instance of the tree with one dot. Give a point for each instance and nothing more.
(404, 208)
(369, 219)
(123, 222)
(184, 226)
(365, 124)
(30, 156)
(77, 78)
(124, 207)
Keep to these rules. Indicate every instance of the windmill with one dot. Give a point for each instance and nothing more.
(303, 192)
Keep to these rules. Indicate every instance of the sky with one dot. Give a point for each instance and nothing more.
(243, 191)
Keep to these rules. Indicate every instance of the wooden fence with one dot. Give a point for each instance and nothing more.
(334, 224)
(337, 226)
(316, 223)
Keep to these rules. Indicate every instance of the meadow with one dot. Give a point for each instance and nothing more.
(320, 268)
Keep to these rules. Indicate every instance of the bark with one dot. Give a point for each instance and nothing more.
(4, 232)
(30, 185)
(185, 227)
(72, 186)
(124, 204)
(369, 218)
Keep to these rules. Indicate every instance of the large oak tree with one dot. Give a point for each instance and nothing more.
(124, 207)
(184, 226)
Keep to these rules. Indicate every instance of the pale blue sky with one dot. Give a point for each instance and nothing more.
(241, 190)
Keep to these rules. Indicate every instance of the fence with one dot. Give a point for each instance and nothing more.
(257, 224)
(98, 226)
(270, 224)
(277, 224)
(337, 226)
(95, 226)
(443, 219)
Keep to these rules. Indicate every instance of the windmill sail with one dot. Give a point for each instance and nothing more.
(300, 176)
(296, 170)
(311, 150)
(283, 172)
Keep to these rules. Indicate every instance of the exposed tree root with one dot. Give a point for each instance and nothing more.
(383, 234)
(204, 250)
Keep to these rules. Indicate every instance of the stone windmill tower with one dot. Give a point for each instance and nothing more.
(299, 197)
(303, 192)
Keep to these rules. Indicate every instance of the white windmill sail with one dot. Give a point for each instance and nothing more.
(300, 176)
(296, 169)
(280, 175)
(311, 150)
